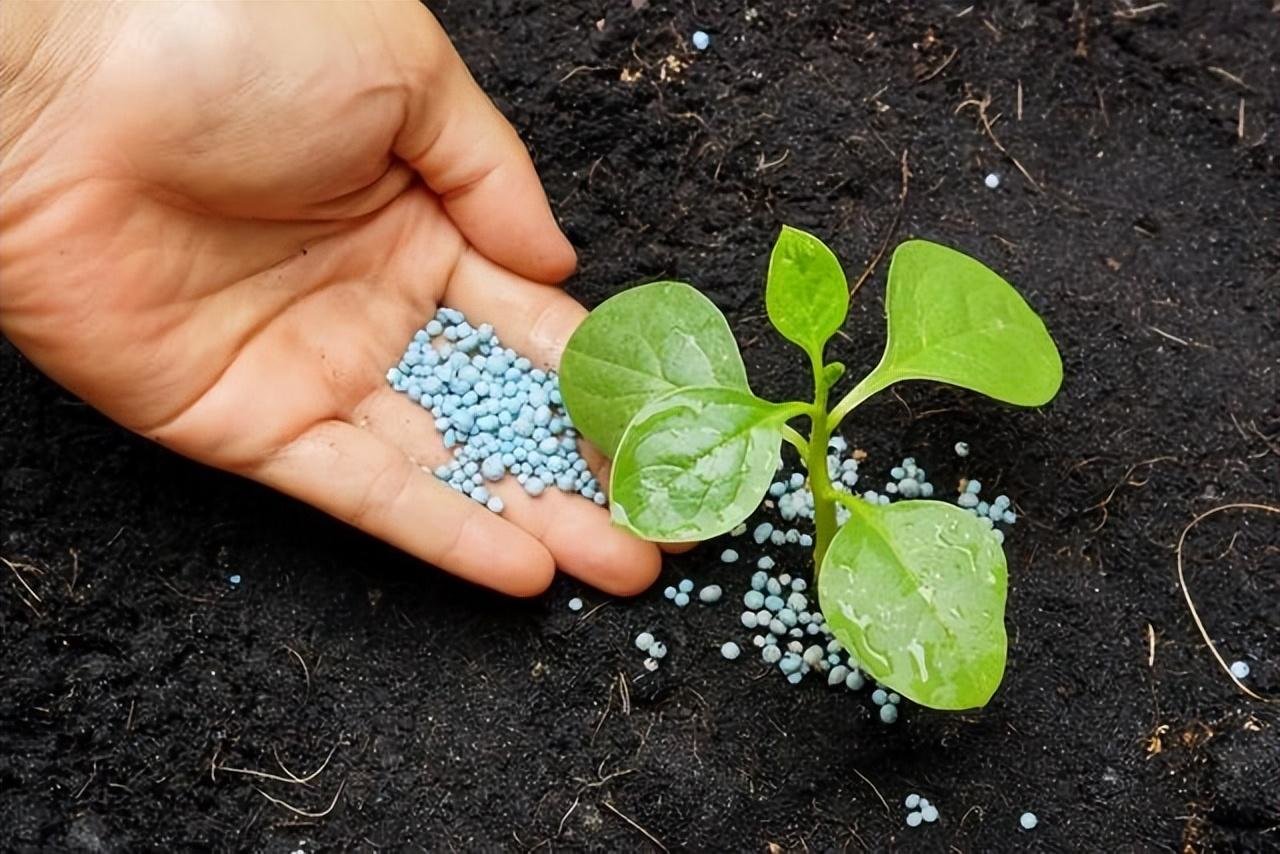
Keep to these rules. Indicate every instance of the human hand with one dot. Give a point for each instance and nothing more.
(221, 223)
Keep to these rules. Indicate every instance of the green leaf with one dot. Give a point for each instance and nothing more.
(916, 591)
(832, 373)
(806, 292)
(695, 463)
(953, 320)
(639, 345)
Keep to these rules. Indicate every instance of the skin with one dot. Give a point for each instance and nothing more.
(221, 223)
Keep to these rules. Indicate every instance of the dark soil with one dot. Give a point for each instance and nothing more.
(461, 721)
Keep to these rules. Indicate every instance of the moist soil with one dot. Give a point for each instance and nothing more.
(1136, 211)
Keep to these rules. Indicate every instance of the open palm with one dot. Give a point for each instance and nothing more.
(227, 221)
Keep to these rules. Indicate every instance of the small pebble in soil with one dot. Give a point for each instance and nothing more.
(912, 801)
(235, 579)
(658, 650)
(685, 585)
(914, 818)
(992, 181)
(962, 449)
(710, 594)
(651, 664)
(1028, 821)
(575, 604)
(644, 640)
(681, 599)
(1240, 669)
(879, 696)
(888, 713)
(928, 811)
(701, 40)
(729, 556)
(730, 650)
(669, 592)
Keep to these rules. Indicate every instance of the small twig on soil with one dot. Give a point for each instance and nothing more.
(603, 717)
(764, 166)
(575, 71)
(624, 690)
(573, 806)
(1228, 76)
(1240, 122)
(602, 778)
(16, 569)
(887, 811)
(697, 118)
(305, 671)
(307, 779)
(969, 812)
(304, 813)
(587, 616)
(1274, 449)
(893, 226)
(935, 72)
(1018, 111)
(75, 570)
(1195, 615)
(292, 779)
(202, 600)
(981, 105)
(1230, 546)
(92, 776)
(911, 416)
(1151, 645)
(1178, 340)
(622, 816)
(1130, 14)
(1124, 481)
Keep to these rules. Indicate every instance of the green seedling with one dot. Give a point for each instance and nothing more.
(916, 589)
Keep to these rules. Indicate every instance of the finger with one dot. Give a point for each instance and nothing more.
(354, 475)
(532, 319)
(582, 538)
(579, 535)
(467, 152)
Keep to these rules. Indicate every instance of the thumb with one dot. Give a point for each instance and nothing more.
(471, 157)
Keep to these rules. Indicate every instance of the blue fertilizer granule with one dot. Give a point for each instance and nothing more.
(497, 414)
